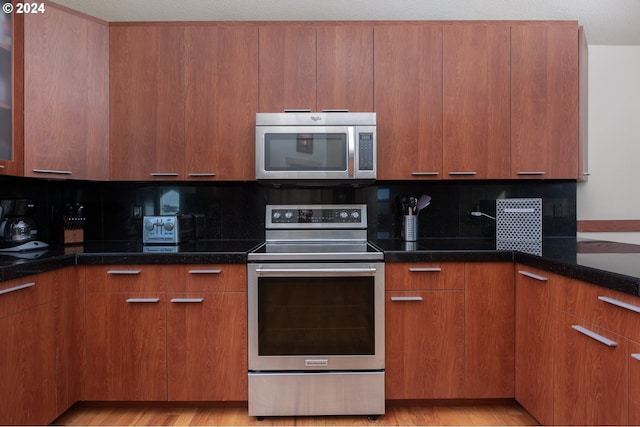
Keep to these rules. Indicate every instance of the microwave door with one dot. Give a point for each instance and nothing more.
(305, 153)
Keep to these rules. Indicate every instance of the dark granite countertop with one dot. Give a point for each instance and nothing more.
(611, 265)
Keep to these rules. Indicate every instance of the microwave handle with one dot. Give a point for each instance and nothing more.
(351, 147)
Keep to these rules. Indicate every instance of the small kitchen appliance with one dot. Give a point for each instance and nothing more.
(299, 146)
(167, 229)
(18, 230)
(316, 314)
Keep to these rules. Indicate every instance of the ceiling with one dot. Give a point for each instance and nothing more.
(606, 22)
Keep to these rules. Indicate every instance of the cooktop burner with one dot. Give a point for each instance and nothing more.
(316, 233)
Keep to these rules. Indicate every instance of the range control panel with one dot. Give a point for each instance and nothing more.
(316, 216)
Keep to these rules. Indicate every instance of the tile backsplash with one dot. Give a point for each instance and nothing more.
(235, 210)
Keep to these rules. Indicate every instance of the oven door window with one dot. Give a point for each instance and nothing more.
(316, 316)
(305, 152)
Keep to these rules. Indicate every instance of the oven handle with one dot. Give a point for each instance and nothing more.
(280, 272)
(351, 147)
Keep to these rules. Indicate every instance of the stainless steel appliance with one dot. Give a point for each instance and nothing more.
(18, 230)
(316, 314)
(168, 229)
(316, 146)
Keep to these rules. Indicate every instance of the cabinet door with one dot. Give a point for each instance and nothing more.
(207, 346)
(29, 365)
(634, 383)
(11, 102)
(489, 330)
(221, 67)
(146, 101)
(66, 103)
(476, 101)
(287, 57)
(424, 344)
(590, 374)
(126, 347)
(345, 67)
(544, 100)
(408, 103)
(534, 342)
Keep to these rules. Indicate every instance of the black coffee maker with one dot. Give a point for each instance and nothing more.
(18, 230)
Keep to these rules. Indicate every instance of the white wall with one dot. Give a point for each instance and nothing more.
(613, 189)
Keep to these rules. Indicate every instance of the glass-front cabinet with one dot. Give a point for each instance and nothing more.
(11, 63)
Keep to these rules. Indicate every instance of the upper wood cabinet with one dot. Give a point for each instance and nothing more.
(11, 101)
(221, 73)
(316, 67)
(66, 87)
(146, 101)
(476, 101)
(545, 100)
(182, 101)
(408, 100)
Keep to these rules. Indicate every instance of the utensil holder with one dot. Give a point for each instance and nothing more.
(410, 228)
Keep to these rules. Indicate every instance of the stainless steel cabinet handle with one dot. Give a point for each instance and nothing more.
(142, 300)
(621, 304)
(52, 172)
(314, 271)
(205, 271)
(124, 272)
(164, 174)
(425, 269)
(425, 173)
(17, 288)
(1, 166)
(187, 300)
(531, 173)
(635, 356)
(533, 276)
(204, 174)
(406, 298)
(462, 173)
(593, 335)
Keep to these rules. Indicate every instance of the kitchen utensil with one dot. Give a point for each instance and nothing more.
(413, 204)
(423, 202)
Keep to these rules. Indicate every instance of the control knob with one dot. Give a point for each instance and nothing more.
(149, 225)
(355, 214)
(168, 226)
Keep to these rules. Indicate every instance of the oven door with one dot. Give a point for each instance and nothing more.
(316, 316)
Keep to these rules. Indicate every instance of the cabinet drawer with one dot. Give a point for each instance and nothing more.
(424, 276)
(131, 278)
(612, 310)
(30, 291)
(210, 278)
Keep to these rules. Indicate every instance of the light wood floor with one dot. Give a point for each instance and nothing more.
(457, 414)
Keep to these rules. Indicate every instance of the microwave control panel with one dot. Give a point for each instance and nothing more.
(365, 151)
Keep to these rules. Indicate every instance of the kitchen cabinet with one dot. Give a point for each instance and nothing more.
(207, 334)
(11, 94)
(66, 92)
(476, 101)
(489, 321)
(545, 100)
(126, 332)
(590, 374)
(221, 72)
(146, 98)
(31, 329)
(424, 309)
(197, 101)
(408, 100)
(534, 345)
(634, 383)
(316, 67)
(170, 332)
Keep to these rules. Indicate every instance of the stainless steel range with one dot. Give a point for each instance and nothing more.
(316, 314)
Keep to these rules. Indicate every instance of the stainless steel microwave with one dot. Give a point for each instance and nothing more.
(300, 146)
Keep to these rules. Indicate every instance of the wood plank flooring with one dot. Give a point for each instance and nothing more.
(439, 414)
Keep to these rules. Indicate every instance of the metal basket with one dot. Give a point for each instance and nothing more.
(519, 225)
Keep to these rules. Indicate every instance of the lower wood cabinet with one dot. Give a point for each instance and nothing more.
(590, 374)
(424, 309)
(31, 333)
(172, 332)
